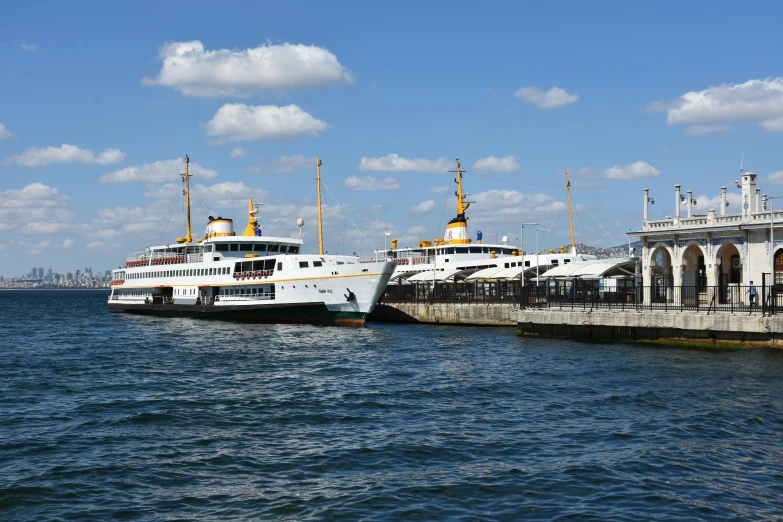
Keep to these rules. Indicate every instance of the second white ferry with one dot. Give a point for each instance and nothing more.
(454, 255)
(248, 277)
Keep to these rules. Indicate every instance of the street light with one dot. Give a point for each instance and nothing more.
(537, 231)
(772, 235)
(522, 247)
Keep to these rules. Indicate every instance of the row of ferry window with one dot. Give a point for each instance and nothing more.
(193, 272)
(474, 250)
(252, 247)
(249, 291)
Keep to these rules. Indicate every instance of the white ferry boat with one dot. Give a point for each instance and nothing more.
(454, 255)
(250, 277)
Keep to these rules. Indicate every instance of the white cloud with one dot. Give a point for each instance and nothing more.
(28, 47)
(40, 157)
(637, 170)
(68, 243)
(95, 245)
(417, 230)
(19, 206)
(776, 178)
(423, 207)
(188, 68)
(4, 132)
(236, 152)
(371, 183)
(774, 125)
(285, 164)
(696, 130)
(165, 170)
(507, 164)
(394, 163)
(554, 97)
(439, 189)
(704, 203)
(240, 122)
(755, 100)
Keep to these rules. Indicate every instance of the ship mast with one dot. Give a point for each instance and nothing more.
(320, 220)
(570, 215)
(186, 179)
(462, 206)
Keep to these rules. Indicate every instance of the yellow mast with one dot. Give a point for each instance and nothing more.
(320, 221)
(186, 179)
(570, 215)
(461, 205)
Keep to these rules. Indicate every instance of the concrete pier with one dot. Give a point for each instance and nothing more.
(447, 313)
(656, 327)
(687, 328)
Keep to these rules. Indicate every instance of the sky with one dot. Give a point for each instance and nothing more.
(101, 101)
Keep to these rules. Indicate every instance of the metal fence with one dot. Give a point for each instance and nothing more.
(596, 294)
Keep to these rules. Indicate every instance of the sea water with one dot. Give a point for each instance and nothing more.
(109, 415)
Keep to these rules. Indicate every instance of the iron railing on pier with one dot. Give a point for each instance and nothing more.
(595, 294)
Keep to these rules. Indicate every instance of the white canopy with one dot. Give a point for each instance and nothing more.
(486, 273)
(440, 275)
(595, 268)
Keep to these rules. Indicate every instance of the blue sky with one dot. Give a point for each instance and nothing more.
(99, 103)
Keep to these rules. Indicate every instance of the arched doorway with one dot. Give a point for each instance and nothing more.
(662, 279)
(779, 269)
(694, 274)
(728, 265)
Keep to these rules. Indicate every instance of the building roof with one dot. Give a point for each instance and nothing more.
(597, 268)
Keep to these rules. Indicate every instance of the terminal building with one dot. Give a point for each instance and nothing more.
(717, 253)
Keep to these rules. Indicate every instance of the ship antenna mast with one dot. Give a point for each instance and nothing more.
(186, 192)
(570, 215)
(462, 205)
(318, 164)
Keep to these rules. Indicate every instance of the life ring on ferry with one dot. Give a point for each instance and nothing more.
(255, 275)
(266, 273)
(236, 276)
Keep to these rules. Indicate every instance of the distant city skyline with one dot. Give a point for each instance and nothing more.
(96, 118)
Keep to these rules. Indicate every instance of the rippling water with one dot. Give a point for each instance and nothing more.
(108, 415)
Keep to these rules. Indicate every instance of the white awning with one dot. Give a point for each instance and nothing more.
(486, 273)
(439, 275)
(593, 269)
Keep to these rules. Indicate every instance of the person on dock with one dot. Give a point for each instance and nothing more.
(752, 293)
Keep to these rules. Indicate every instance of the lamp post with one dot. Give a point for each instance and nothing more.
(522, 247)
(537, 231)
(769, 201)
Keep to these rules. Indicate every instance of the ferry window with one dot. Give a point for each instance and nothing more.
(303, 264)
(208, 248)
(566, 261)
(279, 266)
(247, 266)
(238, 267)
(505, 265)
(554, 262)
(210, 271)
(462, 250)
(259, 247)
(450, 250)
(317, 263)
(273, 248)
(246, 247)
(221, 247)
(293, 250)
(258, 264)
(475, 250)
(507, 251)
(269, 264)
(527, 263)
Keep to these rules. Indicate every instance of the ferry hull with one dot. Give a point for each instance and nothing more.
(305, 313)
